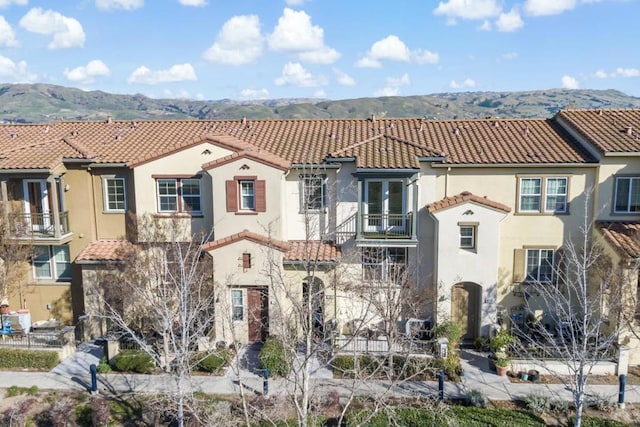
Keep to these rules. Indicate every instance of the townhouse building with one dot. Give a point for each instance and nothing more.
(466, 212)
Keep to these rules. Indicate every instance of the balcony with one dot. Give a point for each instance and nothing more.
(383, 227)
(38, 225)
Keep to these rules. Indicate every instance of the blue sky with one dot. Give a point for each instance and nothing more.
(336, 49)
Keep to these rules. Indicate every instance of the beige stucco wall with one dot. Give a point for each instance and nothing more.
(608, 169)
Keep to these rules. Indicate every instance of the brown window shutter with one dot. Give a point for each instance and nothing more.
(261, 196)
(518, 265)
(232, 196)
(246, 260)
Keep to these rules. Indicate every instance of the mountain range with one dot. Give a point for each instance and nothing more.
(32, 103)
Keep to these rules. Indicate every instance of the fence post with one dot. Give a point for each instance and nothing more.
(623, 384)
(441, 386)
(94, 378)
(265, 382)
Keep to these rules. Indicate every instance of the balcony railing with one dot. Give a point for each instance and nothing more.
(379, 226)
(39, 225)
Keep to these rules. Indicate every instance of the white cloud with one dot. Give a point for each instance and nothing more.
(7, 3)
(569, 82)
(468, 9)
(238, 42)
(626, 72)
(7, 35)
(254, 93)
(87, 73)
(508, 56)
(15, 72)
(119, 4)
(177, 73)
(600, 74)
(510, 21)
(66, 32)
(296, 34)
(319, 94)
(294, 74)
(392, 85)
(548, 7)
(343, 78)
(466, 84)
(294, 2)
(196, 3)
(391, 48)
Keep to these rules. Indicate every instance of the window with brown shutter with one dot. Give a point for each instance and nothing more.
(246, 194)
(246, 260)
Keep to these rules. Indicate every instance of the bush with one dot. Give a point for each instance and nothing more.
(103, 366)
(600, 403)
(14, 391)
(213, 362)
(274, 358)
(589, 421)
(133, 361)
(475, 398)
(343, 364)
(537, 403)
(28, 359)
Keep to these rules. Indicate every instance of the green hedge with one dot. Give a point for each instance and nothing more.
(133, 361)
(28, 359)
(416, 368)
(589, 421)
(213, 362)
(460, 415)
(273, 357)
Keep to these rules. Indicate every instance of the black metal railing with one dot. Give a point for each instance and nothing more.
(387, 226)
(38, 224)
(56, 339)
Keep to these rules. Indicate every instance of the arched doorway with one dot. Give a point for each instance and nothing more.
(465, 308)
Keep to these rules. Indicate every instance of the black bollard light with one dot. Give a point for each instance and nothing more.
(623, 383)
(94, 378)
(441, 386)
(265, 382)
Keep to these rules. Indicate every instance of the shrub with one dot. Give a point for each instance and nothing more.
(211, 362)
(537, 403)
(475, 398)
(103, 366)
(559, 406)
(342, 364)
(274, 358)
(133, 361)
(589, 421)
(14, 390)
(600, 403)
(450, 330)
(28, 359)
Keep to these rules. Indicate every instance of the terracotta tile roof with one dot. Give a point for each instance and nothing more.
(624, 236)
(42, 155)
(256, 155)
(104, 250)
(609, 130)
(314, 250)
(246, 235)
(463, 197)
(526, 141)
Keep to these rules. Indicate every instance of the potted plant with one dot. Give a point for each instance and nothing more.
(502, 366)
(500, 342)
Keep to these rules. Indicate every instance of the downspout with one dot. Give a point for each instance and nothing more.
(446, 182)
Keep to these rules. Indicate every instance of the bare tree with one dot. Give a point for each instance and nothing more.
(585, 299)
(15, 252)
(161, 296)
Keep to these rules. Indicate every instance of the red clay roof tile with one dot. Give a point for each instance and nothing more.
(463, 197)
(609, 130)
(104, 250)
(623, 235)
(314, 250)
(246, 235)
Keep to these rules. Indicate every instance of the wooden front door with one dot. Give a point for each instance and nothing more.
(465, 308)
(37, 203)
(258, 312)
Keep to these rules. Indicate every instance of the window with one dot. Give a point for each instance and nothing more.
(551, 190)
(246, 195)
(179, 195)
(115, 195)
(539, 265)
(246, 260)
(237, 304)
(467, 236)
(312, 194)
(381, 264)
(51, 262)
(627, 196)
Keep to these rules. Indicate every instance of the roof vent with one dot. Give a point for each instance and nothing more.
(47, 129)
(74, 131)
(373, 118)
(630, 130)
(109, 119)
(244, 120)
(600, 112)
(496, 124)
(456, 131)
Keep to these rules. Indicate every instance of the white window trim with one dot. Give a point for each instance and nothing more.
(521, 194)
(303, 190)
(542, 195)
(384, 265)
(179, 198)
(244, 308)
(241, 206)
(526, 265)
(105, 187)
(52, 266)
(473, 236)
(615, 195)
(547, 194)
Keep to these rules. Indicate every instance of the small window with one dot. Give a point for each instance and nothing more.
(115, 195)
(246, 260)
(467, 237)
(627, 195)
(383, 264)
(539, 265)
(51, 262)
(237, 304)
(312, 193)
(247, 196)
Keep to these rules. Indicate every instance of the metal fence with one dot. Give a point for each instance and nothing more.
(376, 346)
(34, 340)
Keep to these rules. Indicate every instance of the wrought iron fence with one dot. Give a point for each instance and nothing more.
(353, 344)
(35, 340)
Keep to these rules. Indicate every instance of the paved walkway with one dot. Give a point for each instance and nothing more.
(73, 374)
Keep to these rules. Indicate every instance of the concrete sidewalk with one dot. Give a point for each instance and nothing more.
(73, 374)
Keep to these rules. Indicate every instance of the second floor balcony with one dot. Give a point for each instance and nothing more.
(377, 227)
(27, 225)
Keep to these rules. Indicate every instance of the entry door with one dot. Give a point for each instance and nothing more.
(464, 308)
(37, 204)
(258, 311)
(384, 204)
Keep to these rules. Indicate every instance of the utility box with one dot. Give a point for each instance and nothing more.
(442, 349)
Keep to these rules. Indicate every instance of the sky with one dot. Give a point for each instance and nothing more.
(334, 49)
